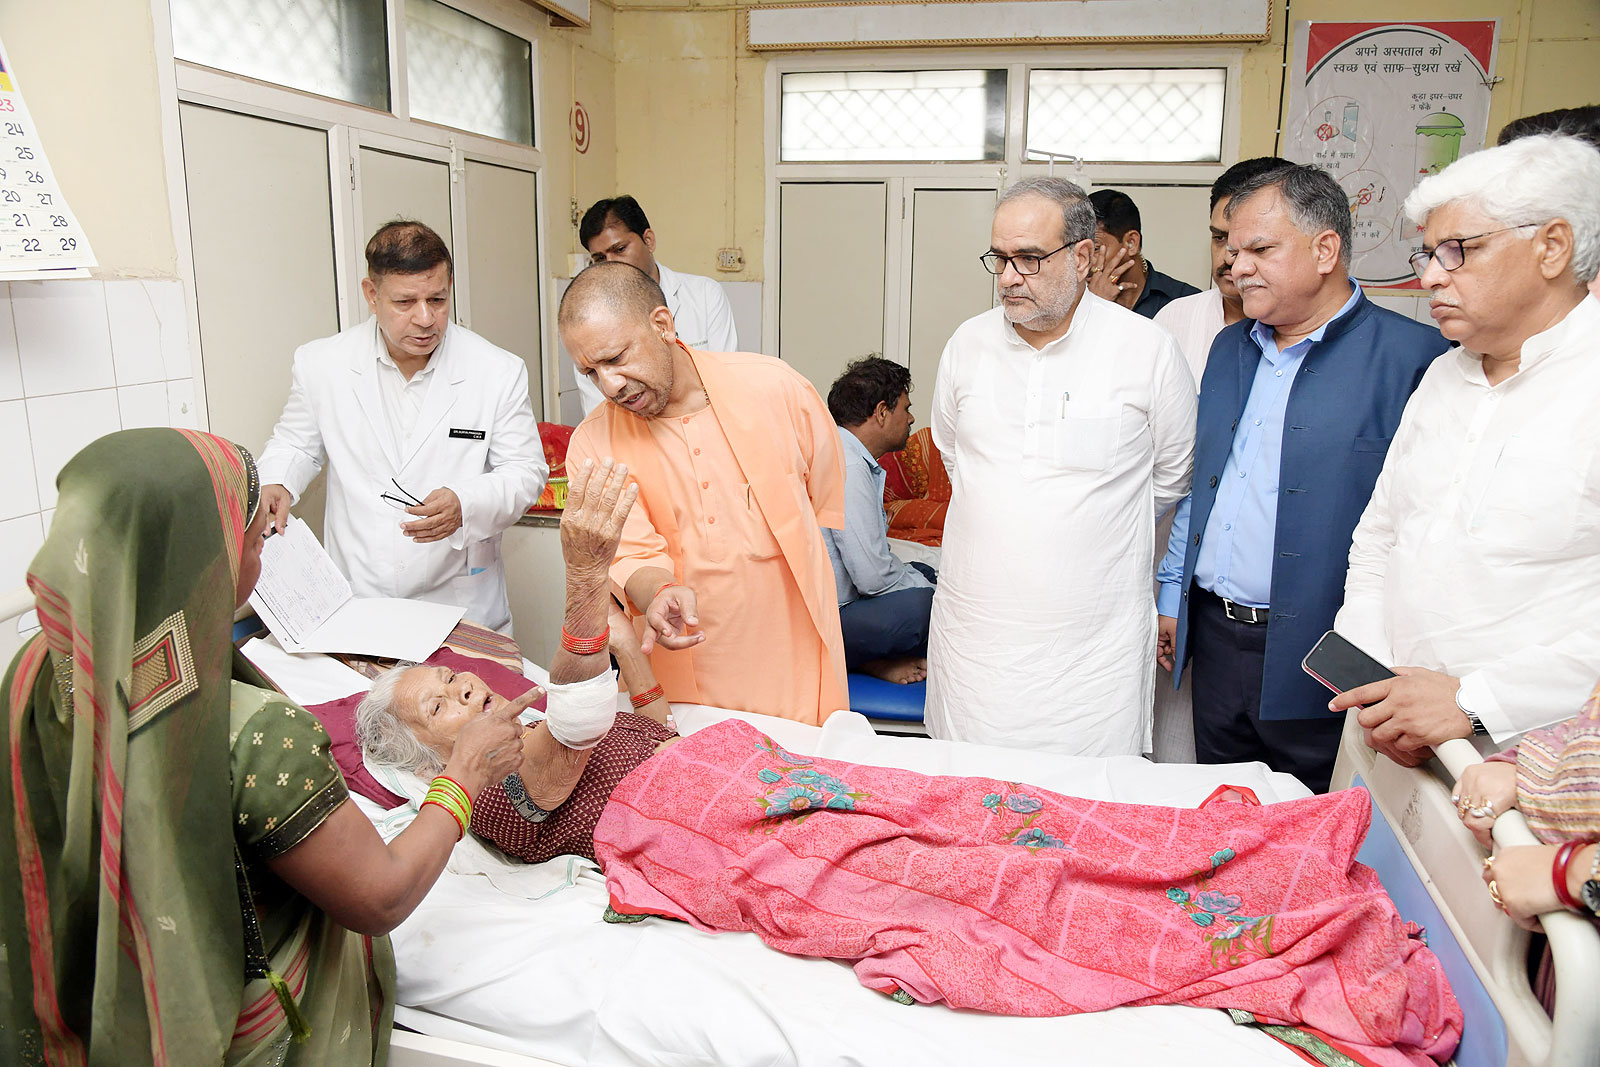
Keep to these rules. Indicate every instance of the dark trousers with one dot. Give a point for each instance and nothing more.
(1228, 661)
(886, 627)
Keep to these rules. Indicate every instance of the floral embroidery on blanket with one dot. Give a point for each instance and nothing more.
(1234, 938)
(1030, 809)
(799, 790)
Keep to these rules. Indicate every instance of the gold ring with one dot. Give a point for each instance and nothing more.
(1488, 863)
(1094, 270)
(1494, 895)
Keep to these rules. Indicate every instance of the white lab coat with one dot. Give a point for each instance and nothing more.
(1044, 626)
(475, 435)
(701, 317)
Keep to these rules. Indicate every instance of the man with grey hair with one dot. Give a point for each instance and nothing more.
(1476, 566)
(1297, 406)
(1067, 426)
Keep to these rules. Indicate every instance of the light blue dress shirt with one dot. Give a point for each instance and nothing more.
(1236, 553)
(862, 563)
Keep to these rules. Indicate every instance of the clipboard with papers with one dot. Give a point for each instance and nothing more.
(310, 607)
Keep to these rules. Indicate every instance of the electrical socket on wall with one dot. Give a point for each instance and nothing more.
(730, 259)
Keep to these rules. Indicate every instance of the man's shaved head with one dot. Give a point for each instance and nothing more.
(618, 291)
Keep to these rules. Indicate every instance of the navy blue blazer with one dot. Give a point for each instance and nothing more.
(1343, 410)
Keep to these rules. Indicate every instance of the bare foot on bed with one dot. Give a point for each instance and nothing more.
(905, 671)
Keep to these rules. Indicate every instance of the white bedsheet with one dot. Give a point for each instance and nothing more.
(549, 978)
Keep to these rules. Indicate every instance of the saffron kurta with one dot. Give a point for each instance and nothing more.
(731, 499)
(1060, 459)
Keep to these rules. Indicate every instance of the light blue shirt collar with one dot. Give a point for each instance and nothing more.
(1262, 334)
(851, 441)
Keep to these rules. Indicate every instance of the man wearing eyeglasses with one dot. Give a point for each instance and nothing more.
(1067, 425)
(1476, 567)
(1297, 406)
(427, 432)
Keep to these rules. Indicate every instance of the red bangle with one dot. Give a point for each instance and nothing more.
(639, 700)
(585, 646)
(1558, 873)
(445, 808)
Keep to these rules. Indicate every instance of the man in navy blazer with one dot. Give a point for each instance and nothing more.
(1297, 408)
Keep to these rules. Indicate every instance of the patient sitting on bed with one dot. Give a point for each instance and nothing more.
(574, 758)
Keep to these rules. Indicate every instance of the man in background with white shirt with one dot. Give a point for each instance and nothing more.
(1476, 566)
(1194, 321)
(883, 602)
(616, 229)
(1067, 425)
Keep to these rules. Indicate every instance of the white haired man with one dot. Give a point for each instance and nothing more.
(1476, 566)
(1067, 425)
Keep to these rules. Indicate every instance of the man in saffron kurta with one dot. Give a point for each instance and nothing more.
(738, 466)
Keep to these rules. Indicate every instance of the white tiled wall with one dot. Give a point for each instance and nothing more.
(79, 359)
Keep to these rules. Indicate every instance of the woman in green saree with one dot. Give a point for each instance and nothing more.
(182, 877)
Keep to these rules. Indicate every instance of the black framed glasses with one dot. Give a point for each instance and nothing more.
(404, 500)
(995, 263)
(1452, 253)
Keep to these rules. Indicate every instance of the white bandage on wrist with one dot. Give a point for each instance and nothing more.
(579, 714)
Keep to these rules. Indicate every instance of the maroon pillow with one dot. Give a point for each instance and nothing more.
(338, 717)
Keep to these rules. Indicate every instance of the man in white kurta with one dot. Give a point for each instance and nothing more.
(1476, 565)
(427, 432)
(1067, 425)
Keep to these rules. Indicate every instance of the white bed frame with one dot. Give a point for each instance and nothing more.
(1415, 803)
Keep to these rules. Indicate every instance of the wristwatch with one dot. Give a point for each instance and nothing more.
(1590, 893)
(1478, 729)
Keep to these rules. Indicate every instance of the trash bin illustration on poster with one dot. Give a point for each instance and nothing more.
(1381, 106)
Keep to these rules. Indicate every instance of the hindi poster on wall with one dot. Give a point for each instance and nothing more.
(39, 235)
(1381, 106)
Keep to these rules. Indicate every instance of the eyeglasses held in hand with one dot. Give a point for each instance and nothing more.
(1452, 253)
(405, 500)
(995, 263)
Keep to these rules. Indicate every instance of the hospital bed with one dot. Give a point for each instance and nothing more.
(529, 975)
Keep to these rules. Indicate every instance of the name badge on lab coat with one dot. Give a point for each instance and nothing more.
(470, 435)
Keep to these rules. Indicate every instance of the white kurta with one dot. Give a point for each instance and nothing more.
(1043, 631)
(474, 433)
(1479, 553)
(701, 317)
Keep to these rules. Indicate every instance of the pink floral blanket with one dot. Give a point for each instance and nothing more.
(1000, 897)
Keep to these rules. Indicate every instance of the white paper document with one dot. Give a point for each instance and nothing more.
(304, 679)
(309, 606)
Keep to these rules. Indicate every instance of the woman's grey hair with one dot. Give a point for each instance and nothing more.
(1077, 214)
(383, 737)
(1529, 181)
(1314, 200)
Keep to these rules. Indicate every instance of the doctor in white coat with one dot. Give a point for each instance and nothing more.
(616, 229)
(428, 434)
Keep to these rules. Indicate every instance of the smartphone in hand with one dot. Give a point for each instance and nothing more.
(1341, 666)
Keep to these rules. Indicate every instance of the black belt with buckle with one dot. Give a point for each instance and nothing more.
(1238, 612)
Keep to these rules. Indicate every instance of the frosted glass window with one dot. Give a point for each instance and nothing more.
(465, 73)
(1135, 116)
(926, 115)
(336, 48)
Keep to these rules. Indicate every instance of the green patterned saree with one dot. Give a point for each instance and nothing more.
(138, 919)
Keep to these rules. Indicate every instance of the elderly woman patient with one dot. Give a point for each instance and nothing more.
(574, 758)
